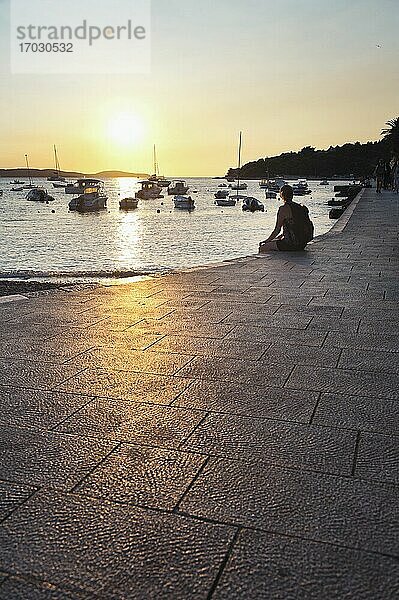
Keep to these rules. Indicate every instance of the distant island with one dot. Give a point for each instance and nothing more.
(44, 173)
(347, 161)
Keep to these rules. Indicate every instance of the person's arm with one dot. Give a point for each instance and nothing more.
(277, 229)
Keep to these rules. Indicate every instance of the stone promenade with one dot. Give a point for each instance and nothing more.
(225, 433)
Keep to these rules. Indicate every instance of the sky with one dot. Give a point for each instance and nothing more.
(287, 73)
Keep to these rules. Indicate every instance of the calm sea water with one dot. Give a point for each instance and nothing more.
(38, 243)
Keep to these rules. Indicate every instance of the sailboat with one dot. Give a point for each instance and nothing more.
(56, 176)
(156, 177)
(238, 186)
(30, 186)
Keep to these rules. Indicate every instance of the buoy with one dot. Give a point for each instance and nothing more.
(53, 211)
(158, 211)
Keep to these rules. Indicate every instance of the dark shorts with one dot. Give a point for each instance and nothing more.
(284, 247)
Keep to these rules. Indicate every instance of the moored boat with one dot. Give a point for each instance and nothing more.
(93, 199)
(128, 203)
(149, 190)
(184, 202)
(178, 188)
(80, 185)
(221, 194)
(239, 186)
(324, 182)
(226, 201)
(56, 175)
(39, 195)
(252, 205)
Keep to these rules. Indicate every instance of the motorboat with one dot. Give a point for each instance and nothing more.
(226, 201)
(149, 191)
(18, 189)
(184, 202)
(252, 205)
(239, 186)
(178, 188)
(128, 203)
(264, 184)
(277, 184)
(59, 185)
(56, 175)
(270, 194)
(17, 182)
(301, 188)
(80, 185)
(324, 182)
(93, 199)
(220, 194)
(222, 185)
(39, 195)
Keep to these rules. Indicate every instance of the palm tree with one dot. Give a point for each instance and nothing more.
(391, 135)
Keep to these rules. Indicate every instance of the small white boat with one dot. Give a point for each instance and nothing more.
(128, 203)
(270, 194)
(277, 184)
(93, 199)
(220, 194)
(324, 182)
(39, 195)
(17, 182)
(239, 186)
(264, 184)
(18, 189)
(178, 188)
(252, 205)
(224, 185)
(80, 185)
(184, 202)
(150, 190)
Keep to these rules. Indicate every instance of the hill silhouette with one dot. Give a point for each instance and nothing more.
(357, 160)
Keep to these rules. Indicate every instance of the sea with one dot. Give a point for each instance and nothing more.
(48, 242)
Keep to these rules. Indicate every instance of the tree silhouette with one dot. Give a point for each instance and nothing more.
(391, 135)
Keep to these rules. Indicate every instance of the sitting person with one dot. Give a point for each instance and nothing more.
(297, 228)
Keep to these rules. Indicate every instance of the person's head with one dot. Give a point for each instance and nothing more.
(286, 193)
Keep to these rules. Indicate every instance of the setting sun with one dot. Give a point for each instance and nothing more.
(126, 129)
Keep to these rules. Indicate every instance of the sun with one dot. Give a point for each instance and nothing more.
(126, 129)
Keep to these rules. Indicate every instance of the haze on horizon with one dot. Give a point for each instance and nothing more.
(287, 73)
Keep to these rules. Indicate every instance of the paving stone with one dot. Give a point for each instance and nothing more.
(313, 506)
(384, 342)
(11, 496)
(351, 382)
(369, 360)
(23, 407)
(274, 334)
(272, 566)
(291, 444)
(209, 346)
(141, 387)
(357, 413)
(301, 321)
(30, 374)
(281, 352)
(19, 589)
(199, 329)
(272, 402)
(236, 370)
(130, 422)
(113, 551)
(42, 351)
(342, 324)
(134, 360)
(39, 457)
(151, 477)
(378, 457)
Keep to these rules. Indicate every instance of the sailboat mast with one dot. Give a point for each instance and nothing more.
(155, 161)
(27, 164)
(239, 158)
(57, 164)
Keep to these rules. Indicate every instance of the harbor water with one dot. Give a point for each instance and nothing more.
(47, 241)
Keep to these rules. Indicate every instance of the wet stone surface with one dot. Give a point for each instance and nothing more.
(220, 433)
